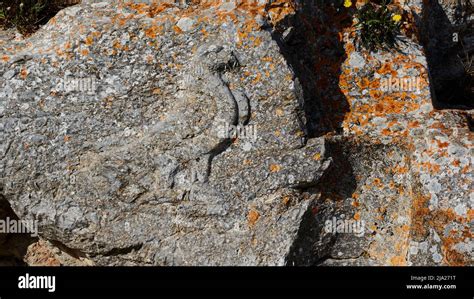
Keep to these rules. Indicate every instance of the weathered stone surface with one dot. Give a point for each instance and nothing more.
(115, 136)
(135, 169)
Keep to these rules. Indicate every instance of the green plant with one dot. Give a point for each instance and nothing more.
(377, 26)
(26, 15)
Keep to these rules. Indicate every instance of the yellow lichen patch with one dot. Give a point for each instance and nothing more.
(257, 41)
(96, 34)
(299, 133)
(279, 112)
(317, 157)
(117, 45)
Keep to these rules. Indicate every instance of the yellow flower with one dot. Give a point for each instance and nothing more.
(347, 3)
(397, 18)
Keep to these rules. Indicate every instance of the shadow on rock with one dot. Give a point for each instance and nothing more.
(449, 51)
(311, 42)
(13, 247)
(314, 244)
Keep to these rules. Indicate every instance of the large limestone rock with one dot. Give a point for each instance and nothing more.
(115, 136)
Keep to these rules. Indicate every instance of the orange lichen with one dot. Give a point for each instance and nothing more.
(430, 167)
(400, 169)
(357, 216)
(386, 132)
(470, 215)
(275, 168)
(257, 78)
(253, 217)
(177, 30)
(89, 40)
(377, 182)
(442, 144)
(85, 52)
(385, 69)
(23, 73)
(423, 219)
(151, 32)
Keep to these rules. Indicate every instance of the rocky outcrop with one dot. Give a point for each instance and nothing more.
(142, 169)
(229, 134)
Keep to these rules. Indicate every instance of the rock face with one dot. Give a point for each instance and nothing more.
(114, 136)
(227, 134)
